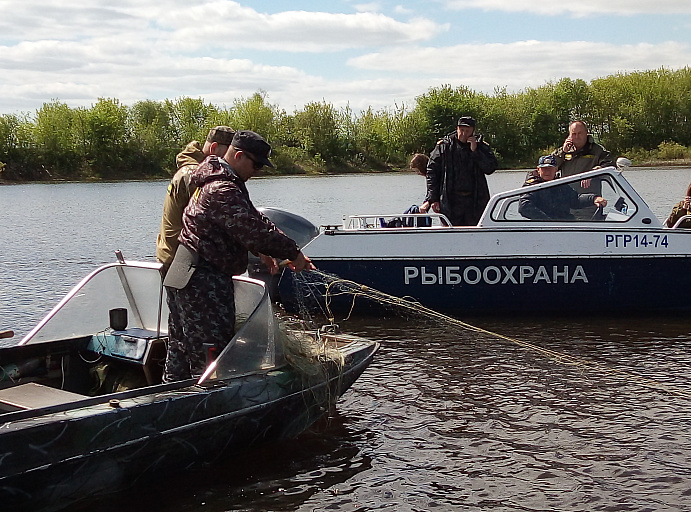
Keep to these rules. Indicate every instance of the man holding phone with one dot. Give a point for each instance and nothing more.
(456, 183)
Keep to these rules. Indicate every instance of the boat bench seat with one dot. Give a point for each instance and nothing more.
(34, 396)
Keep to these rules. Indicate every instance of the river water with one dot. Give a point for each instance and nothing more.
(442, 420)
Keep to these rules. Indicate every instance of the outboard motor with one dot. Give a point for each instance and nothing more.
(296, 227)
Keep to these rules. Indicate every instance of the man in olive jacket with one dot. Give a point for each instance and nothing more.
(580, 153)
(456, 183)
(179, 190)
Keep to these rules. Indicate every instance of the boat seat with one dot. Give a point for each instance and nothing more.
(34, 396)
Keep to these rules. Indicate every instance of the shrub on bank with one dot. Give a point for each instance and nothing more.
(633, 115)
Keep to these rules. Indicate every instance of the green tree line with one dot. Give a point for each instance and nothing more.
(642, 115)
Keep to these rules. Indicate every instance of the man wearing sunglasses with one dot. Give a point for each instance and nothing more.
(219, 226)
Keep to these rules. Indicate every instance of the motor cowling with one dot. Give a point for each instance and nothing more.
(296, 227)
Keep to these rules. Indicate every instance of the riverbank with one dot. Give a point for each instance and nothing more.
(650, 164)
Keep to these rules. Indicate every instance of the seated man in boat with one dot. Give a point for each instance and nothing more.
(681, 209)
(419, 164)
(553, 203)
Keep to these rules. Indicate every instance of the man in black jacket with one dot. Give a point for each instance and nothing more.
(456, 183)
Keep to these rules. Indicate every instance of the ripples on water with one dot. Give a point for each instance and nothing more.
(465, 422)
(441, 420)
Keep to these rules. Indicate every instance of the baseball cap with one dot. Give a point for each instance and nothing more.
(221, 135)
(466, 121)
(547, 161)
(254, 143)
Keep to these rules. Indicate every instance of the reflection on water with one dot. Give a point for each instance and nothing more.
(442, 420)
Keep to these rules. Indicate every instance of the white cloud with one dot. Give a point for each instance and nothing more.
(224, 23)
(79, 50)
(578, 8)
(370, 7)
(525, 63)
(133, 50)
(295, 31)
(403, 73)
(30, 21)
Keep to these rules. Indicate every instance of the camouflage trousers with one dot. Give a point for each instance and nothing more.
(201, 313)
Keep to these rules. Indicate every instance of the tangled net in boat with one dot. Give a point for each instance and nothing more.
(307, 349)
(304, 346)
(310, 286)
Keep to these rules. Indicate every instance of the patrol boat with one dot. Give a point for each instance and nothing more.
(84, 412)
(621, 259)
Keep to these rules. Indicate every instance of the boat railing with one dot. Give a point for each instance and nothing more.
(680, 221)
(396, 220)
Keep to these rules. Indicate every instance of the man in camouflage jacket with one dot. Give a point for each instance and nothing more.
(220, 224)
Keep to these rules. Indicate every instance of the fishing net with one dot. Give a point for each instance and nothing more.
(315, 290)
(305, 348)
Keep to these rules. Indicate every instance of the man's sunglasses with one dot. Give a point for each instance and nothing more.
(256, 165)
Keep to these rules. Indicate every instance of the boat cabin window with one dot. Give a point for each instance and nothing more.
(558, 201)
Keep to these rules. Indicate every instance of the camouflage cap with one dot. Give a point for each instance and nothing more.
(221, 135)
(547, 161)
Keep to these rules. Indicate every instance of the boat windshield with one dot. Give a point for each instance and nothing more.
(137, 288)
(550, 201)
(85, 310)
(257, 343)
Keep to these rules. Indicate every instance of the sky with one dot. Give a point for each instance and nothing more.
(380, 54)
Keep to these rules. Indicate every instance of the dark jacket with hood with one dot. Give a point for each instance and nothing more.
(456, 179)
(221, 224)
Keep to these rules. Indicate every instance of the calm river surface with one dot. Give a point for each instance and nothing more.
(441, 420)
